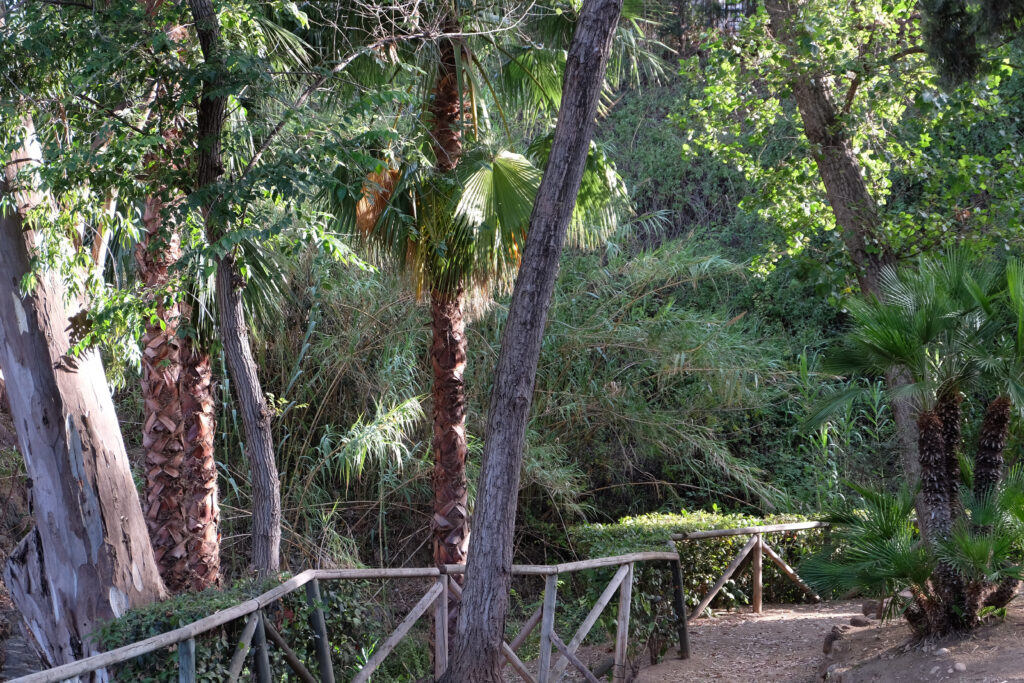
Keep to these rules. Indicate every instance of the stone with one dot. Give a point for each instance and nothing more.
(942, 651)
(960, 666)
(858, 620)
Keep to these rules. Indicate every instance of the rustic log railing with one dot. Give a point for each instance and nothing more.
(258, 630)
(756, 548)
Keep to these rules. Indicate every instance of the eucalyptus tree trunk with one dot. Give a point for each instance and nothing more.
(855, 210)
(481, 624)
(234, 333)
(89, 558)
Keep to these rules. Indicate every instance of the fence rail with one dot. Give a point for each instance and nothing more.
(258, 630)
(756, 548)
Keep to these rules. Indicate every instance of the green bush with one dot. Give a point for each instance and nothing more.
(356, 625)
(652, 623)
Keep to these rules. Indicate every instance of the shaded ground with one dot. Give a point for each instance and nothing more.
(992, 654)
(785, 644)
(781, 644)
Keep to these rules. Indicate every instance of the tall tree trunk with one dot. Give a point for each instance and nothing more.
(89, 558)
(450, 523)
(256, 414)
(163, 425)
(446, 104)
(855, 210)
(202, 514)
(481, 625)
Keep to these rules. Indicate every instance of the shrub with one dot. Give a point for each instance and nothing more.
(356, 624)
(652, 623)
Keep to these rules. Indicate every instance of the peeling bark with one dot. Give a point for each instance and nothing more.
(89, 558)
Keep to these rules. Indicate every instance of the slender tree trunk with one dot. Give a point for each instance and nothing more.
(256, 414)
(855, 210)
(450, 524)
(89, 557)
(481, 623)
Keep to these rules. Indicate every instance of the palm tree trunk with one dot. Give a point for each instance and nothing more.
(450, 524)
(988, 460)
(481, 627)
(202, 514)
(163, 427)
(948, 410)
(234, 333)
(446, 104)
(947, 586)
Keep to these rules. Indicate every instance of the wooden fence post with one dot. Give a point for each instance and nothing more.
(679, 604)
(441, 628)
(546, 627)
(319, 626)
(187, 661)
(755, 566)
(622, 633)
(262, 653)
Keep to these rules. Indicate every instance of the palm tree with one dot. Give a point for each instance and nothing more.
(948, 324)
(458, 228)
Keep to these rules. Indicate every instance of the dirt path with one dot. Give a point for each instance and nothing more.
(781, 644)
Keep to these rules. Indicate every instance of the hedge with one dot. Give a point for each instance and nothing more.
(356, 623)
(703, 562)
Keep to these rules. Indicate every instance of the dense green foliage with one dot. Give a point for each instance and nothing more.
(356, 617)
(683, 361)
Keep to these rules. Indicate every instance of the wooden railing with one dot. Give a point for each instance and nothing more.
(258, 630)
(756, 548)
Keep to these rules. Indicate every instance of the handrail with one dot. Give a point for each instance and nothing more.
(756, 548)
(189, 631)
(749, 531)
